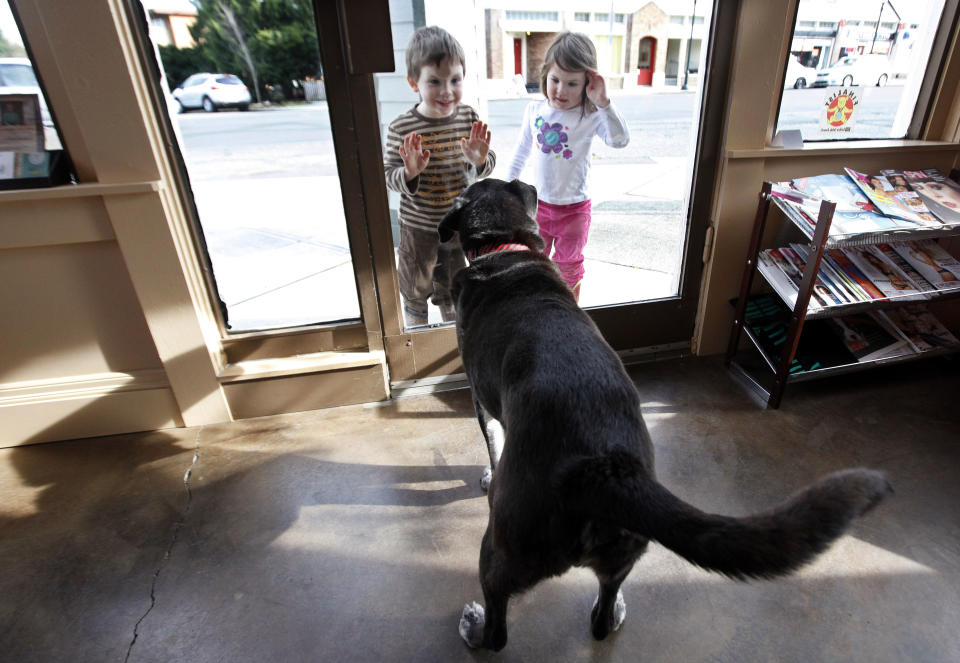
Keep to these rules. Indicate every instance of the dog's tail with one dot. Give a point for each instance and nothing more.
(764, 545)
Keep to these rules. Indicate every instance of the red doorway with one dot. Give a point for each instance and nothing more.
(645, 61)
(517, 56)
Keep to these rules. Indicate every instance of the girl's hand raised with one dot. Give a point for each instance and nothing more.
(476, 147)
(597, 89)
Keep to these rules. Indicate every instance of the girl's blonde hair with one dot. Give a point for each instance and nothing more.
(574, 52)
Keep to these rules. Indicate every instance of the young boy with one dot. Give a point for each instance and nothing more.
(434, 151)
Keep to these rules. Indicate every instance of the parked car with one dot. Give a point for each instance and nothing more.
(211, 92)
(17, 77)
(798, 76)
(856, 70)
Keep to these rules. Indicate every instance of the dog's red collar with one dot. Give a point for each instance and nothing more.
(496, 248)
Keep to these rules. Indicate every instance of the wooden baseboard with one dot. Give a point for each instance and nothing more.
(85, 406)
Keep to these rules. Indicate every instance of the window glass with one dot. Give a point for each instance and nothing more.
(855, 68)
(638, 192)
(257, 141)
(30, 148)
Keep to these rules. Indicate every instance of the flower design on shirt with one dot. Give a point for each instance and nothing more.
(552, 138)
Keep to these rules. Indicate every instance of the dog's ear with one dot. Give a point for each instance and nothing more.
(450, 223)
(525, 192)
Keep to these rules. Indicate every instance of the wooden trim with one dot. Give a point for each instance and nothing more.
(844, 148)
(78, 406)
(317, 362)
(81, 191)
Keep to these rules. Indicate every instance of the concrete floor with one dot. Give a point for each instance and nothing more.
(352, 534)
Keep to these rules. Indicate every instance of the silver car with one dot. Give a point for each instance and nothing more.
(211, 92)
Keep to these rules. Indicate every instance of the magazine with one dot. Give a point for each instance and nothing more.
(939, 194)
(891, 255)
(838, 257)
(826, 275)
(858, 292)
(885, 276)
(921, 328)
(903, 192)
(855, 214)
(880, 193)
(933, 262)
(869, 337)
(823, 292)
(794, 275)
(777, 278)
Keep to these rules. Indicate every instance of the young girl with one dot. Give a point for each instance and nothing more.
(560, 129)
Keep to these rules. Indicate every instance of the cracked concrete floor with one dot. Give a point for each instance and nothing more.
(351, 534)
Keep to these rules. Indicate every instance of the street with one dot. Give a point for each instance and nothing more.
(268, 196)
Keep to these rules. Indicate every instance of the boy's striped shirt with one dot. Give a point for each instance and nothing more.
(425, 199)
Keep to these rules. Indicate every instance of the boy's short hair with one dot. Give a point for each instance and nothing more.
(432, 45)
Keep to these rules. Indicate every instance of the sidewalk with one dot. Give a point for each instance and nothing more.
(304, 275)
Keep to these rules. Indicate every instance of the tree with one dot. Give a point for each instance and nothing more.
(223, 30)
(8, 49)
(272, 41)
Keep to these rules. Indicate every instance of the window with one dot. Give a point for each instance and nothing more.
(582, 17)
(532, 16)
(677, 20)
(619, 18)
(32, 153)
(876, 74)
(601, 18)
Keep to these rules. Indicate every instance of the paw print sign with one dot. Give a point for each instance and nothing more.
(552, 139)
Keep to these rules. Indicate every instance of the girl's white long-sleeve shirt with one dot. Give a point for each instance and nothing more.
(559, 141)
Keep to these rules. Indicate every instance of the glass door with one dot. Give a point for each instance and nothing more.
(650, 200)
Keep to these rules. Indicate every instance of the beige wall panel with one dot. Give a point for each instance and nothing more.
(70, 310)
(762, 34)
(258, 398)
(68, 418)
(67, 221)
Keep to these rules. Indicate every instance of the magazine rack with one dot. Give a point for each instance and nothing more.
(777, 369)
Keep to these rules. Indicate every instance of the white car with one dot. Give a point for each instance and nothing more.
(211, 92)
(857, 70)
(798, 76)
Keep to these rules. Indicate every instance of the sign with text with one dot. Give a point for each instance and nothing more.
(838, 114)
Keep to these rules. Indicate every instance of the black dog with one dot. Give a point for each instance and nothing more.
(575, 483)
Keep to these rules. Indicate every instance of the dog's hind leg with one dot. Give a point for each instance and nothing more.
(609, 610)
(487, 627)
(494, 436)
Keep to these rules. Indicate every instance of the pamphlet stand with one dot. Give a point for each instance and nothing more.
(771, 379)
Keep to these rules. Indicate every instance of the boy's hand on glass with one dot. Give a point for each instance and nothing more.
(415, 158)
(597, 89)
(476, 147)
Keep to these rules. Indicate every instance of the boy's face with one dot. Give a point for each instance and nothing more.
(440, 87)
(564, 88)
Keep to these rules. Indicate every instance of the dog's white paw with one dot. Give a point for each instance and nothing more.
(471, 624)
(619, 611)
(486, 479)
